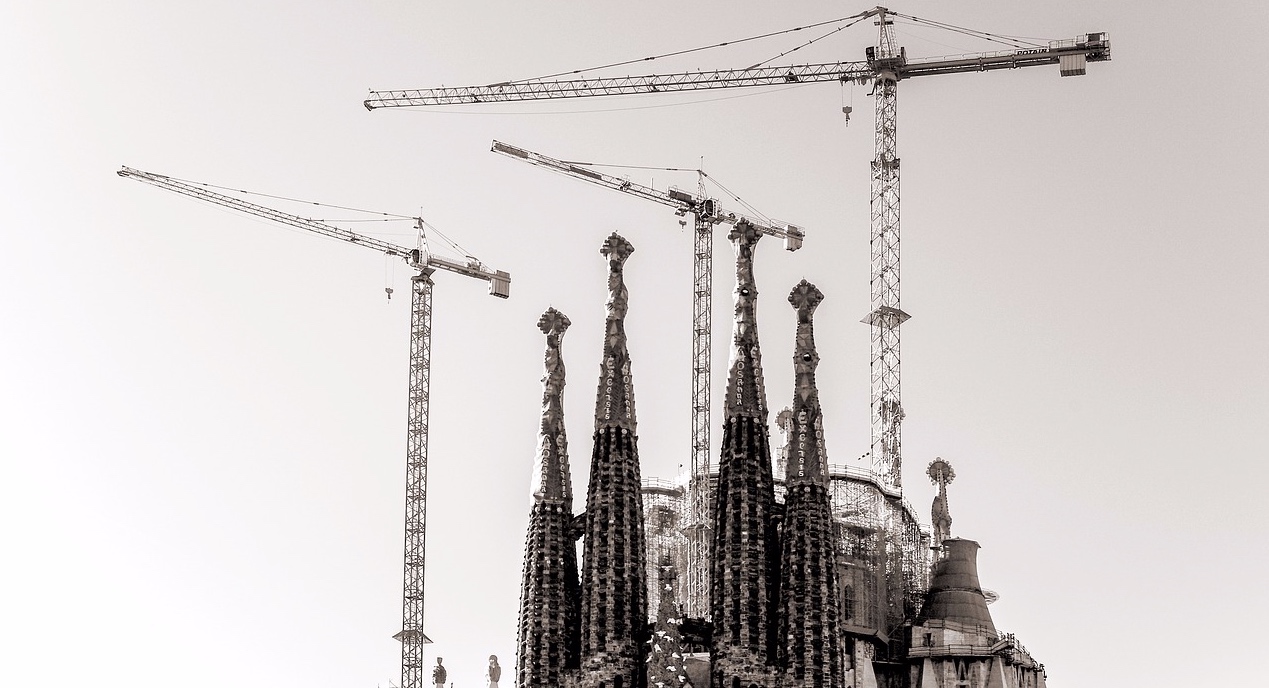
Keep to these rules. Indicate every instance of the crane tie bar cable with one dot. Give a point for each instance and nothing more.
(292, 200)
(1011, 41)
(860, 16)
(813, 40)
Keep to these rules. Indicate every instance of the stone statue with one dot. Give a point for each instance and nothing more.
(494, 673)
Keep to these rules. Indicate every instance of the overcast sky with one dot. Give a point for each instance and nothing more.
(202, 420)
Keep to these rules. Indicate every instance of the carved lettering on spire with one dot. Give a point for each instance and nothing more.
(551, 480)
(746, 394)
(615, 406)
(807, 459)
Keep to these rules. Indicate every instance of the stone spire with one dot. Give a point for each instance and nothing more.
(743, 571)
(548, 636)
(941, 474)
(614, 603)
(807, 461)
(811, 648)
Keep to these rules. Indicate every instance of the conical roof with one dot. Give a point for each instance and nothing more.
(955, 593)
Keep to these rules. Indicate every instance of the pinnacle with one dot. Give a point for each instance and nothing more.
(551, 479)
(614, 406)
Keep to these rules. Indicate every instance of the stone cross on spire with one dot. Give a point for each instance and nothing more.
(746, 394)
(807, 460)
(614, 406)
(552, 480)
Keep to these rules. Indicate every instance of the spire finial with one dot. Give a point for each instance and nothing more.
(941, 474)
(551, 480)
(615, 404)
(807, 459)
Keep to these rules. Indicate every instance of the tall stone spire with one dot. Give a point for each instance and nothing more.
(548, 636)
(614, 589)
(743, 583)
(811, 649)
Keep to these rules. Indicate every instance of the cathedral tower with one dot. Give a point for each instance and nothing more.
(614, 605)
(548, 636)
(742, 587)
(811, 647)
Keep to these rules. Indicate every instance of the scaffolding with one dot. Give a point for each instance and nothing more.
(667, 535)
(883, 551)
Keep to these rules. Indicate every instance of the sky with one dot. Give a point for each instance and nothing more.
(202, 415)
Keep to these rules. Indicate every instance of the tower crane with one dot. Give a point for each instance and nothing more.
(426, 264)
(885, 65)
(707, 213)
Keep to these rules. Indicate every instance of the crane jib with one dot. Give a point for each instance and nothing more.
(1090, 47)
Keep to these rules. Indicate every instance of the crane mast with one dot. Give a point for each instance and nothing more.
(706, 213)
(411, 635)
(886, 411)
